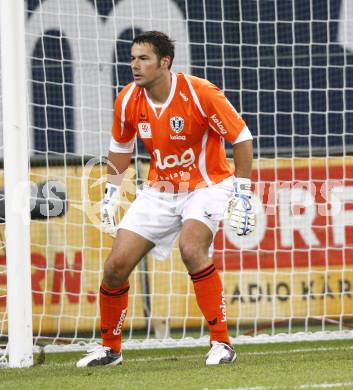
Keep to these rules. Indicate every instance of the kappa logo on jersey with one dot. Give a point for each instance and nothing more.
(173, 160)
(145, 130)
(219, 124)
(184, 97)
(176, 123)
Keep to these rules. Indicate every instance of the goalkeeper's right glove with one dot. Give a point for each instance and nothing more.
(110, 204)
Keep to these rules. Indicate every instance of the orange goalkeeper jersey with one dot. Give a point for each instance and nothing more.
(184, 135)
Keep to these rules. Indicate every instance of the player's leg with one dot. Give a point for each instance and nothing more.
(149, 224)
(128, 249)
(201, 215)
(195, 240)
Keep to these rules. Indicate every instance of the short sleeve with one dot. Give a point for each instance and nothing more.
(122, 129)
(221, 115)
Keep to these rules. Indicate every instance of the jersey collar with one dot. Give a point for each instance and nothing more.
(167, 102)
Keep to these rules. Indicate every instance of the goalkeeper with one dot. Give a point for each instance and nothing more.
(182, 121)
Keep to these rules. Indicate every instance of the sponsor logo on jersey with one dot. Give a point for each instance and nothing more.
(176, 123)
(173, 160)
(145, 130)
(219, 124)
(177, 137)
(184, 97)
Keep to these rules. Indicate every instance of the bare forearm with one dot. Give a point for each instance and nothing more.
(243, 156)
(118, 163)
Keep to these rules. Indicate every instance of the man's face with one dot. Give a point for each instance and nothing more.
(146, 67)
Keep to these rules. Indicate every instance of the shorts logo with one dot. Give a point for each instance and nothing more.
(145, 130)
(176, 123)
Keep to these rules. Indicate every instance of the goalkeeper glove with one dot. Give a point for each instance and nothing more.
(110, 204)
(239, 212)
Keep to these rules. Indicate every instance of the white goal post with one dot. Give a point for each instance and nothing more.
(287, 67)
(16, 175)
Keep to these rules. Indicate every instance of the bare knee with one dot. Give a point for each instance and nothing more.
(128, 249)
(116, 271)
(195, 256)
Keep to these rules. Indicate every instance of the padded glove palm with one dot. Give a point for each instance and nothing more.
(239, 212)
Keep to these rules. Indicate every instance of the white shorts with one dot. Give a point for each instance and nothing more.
(159, 216)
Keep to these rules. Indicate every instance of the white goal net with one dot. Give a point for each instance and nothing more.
(287, 66)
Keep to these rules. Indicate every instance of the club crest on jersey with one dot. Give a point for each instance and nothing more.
(177, 124)
(145, 130)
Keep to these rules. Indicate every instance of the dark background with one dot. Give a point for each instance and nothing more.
(278, 62)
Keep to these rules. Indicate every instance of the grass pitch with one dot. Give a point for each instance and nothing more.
(307, 365)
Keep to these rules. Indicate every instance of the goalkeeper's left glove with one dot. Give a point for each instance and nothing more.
(109, 207)
(240, 212)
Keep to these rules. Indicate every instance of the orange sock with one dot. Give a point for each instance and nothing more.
(210, 298)
(113, 308)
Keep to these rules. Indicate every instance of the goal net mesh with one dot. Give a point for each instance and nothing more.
(287, 67)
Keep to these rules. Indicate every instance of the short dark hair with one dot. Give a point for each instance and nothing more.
(162, 45)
